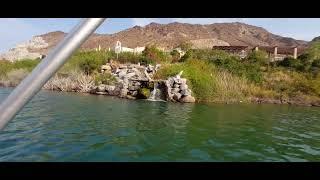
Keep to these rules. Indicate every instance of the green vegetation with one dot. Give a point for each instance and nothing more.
(7, 66)
(211, 83)
(248, 68)
(144, 93)
(213, 76)
(152, 55)
(105, 78)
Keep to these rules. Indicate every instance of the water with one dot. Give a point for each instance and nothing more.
(156, 94)
(57, 126)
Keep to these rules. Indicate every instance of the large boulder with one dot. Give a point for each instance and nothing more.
(183, 87)
(134, 88)
(110, 89)
(122, 74)
(177, 96)
(176, 85)
(187, 99)
(101, 88)
(175, 90)
(186, 92)
(123, 93)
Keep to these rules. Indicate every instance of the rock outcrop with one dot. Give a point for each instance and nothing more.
(177, 90)
(23, 50)
(135, 81)
(130, 79)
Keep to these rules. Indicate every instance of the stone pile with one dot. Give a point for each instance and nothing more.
(133, 78)
(177, 90)
(130, 78)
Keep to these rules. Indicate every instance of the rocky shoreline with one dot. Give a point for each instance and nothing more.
(134, 81)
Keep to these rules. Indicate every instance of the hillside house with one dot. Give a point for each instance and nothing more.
(119, 48)
(279, 53)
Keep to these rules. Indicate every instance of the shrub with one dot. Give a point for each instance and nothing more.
(16, 76)
(87, 61)
(258, 57)
(198, 73)
(175, 56)
(225, 61)
(210, 83)
(292, 63)
(105, 78)
(26, 64)
(154, 55)
(313, 51)
(144, 93)
(128, 57)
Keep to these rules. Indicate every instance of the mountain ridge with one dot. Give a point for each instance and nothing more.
(168, 36)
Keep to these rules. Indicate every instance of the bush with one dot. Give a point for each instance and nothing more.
(26, 64)
(144, 93)
(258, 57)
(128, 57)
(198, 73)
(105, 78)
(209, 83)
(175, 55)
(228, 62)
(292, 63)
(16, 76)
(154, 55)
(313, 51)
(87, 61)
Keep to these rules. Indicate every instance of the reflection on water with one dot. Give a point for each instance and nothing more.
(75, 127)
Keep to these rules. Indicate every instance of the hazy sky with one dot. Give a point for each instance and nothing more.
(16, 30)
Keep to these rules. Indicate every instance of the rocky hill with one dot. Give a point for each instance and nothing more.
(315, 39)
(171, 35)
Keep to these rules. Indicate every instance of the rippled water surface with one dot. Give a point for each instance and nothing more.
(57, 126)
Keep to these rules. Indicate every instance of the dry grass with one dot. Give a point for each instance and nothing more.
(14, 77)
(74, 82)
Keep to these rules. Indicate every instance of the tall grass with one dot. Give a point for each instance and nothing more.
(7, 66)
(210, 83)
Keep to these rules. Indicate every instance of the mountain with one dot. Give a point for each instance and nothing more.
(315, 39)
(171, 35)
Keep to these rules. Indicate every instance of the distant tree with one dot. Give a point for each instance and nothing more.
(154, 55)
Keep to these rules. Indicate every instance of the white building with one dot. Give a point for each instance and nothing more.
(118, 48)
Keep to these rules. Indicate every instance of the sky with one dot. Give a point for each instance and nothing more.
(17, 30)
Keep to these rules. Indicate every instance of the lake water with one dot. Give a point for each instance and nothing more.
(58, 126)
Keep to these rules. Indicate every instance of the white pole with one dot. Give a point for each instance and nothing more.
(46, 69)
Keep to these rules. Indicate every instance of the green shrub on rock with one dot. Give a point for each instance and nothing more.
(105, 78)
(144, 93)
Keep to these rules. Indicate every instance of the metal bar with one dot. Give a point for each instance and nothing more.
(32, 84)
